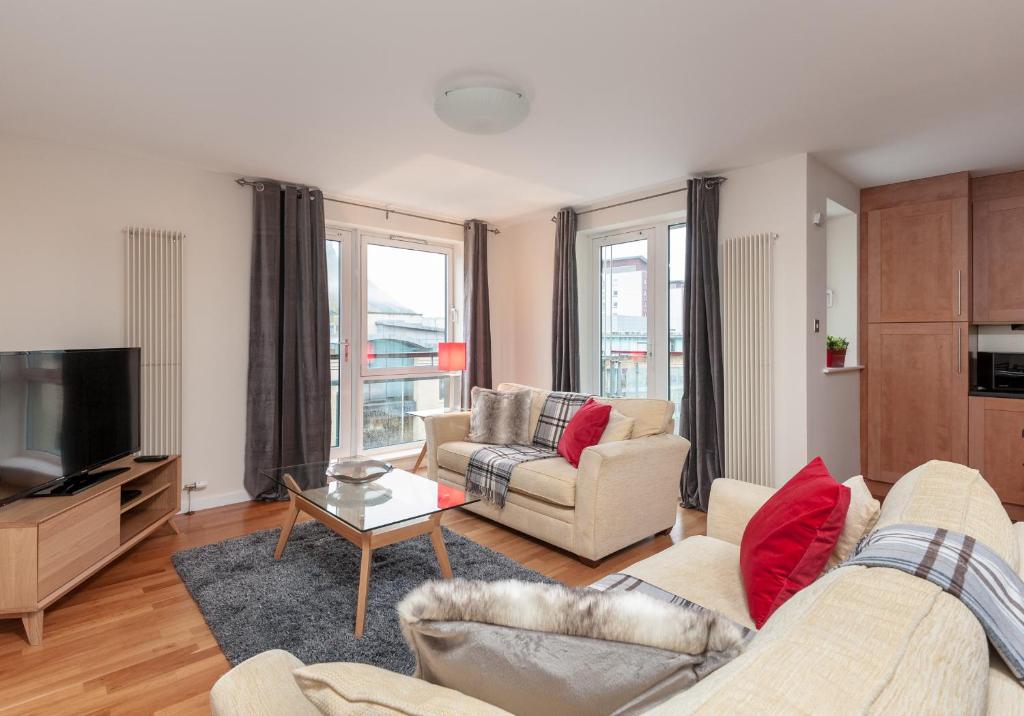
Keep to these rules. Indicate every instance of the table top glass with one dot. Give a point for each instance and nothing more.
(398, 496)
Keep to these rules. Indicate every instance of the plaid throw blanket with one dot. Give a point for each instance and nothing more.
(619, 582)
(490, 468)
(964, 568)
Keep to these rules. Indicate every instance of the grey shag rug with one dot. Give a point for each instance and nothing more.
(306, 602)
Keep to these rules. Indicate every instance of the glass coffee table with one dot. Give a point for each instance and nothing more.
(393, 508)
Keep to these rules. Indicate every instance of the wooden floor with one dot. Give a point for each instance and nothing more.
(132, 641)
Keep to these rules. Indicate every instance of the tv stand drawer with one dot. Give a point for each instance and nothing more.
(74, 540)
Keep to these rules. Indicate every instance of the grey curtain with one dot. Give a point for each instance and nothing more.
(701, 416)
(477, 313)
(288, 417)
(565, 325)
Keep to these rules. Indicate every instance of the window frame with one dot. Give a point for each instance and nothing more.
(658, 314)
(355, 372)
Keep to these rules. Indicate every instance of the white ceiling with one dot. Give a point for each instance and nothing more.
(624, 94)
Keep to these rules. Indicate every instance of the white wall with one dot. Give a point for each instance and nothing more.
(841, 249)
(772, 197)
(62, 211)
(833, 400)
(775, 197)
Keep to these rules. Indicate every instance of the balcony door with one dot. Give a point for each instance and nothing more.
(638, 312)
(396, 302)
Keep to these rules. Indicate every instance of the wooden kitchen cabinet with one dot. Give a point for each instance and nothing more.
(998, 237)
(997, 447)
(916, 411)
(917, 242)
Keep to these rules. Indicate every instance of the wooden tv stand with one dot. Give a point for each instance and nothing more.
(50, 545)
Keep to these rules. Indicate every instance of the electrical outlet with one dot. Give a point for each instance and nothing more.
(193, 486)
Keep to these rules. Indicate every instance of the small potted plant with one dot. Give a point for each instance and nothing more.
(836, 357)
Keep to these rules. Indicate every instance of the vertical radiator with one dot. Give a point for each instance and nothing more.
(153, 311)
(746, 268)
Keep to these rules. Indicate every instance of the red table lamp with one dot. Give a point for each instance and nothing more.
(451, 357)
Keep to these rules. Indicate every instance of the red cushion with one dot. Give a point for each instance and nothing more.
(583, 430)
(788, 541)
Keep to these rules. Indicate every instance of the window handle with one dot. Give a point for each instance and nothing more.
(347, 346)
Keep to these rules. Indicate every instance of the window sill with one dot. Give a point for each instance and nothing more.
(844, 369)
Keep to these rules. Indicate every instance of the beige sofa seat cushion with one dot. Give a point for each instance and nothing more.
(347, 689)
(552, 479)
(953, 497)
(262, 684)
(702, 569)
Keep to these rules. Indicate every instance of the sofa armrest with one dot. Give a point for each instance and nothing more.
(262, 684)
(441, 429)
(626, 491)
(732, 504)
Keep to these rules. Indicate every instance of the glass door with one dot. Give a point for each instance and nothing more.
(408, 301)
(624, 318)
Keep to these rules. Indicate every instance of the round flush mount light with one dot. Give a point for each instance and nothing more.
(481, 110)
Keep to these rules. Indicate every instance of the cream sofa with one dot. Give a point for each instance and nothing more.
(623, 491)
(857, 641)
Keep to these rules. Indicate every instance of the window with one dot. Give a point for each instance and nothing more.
(624, 318)
(384, 350)
(637, 314)
(676, 287)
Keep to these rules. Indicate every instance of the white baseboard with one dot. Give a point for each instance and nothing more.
(205, 502)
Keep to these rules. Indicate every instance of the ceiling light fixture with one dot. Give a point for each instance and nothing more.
(481, 110)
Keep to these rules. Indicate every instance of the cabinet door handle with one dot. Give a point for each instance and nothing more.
(959, 351)
(959, 292)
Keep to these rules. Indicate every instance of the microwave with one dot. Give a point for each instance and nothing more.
(999, 372)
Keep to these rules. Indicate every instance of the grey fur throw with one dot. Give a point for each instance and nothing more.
(572, 651)
(500, 417)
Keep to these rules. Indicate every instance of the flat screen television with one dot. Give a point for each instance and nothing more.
(63, 413)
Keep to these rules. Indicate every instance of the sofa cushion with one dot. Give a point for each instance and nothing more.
(348, 689)
(500, 417)
(788, 541)
(953, 497)
(858, 641)
(619, 428)
(262, 684)
(584, 429)
(552, 479)
(860, 518)
(702, 569)
(651, 416)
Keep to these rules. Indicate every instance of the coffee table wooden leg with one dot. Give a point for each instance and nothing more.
(419, 460)
(286, 528)
(440, 550)
(364, 587)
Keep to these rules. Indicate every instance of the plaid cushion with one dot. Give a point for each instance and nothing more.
(554, 416)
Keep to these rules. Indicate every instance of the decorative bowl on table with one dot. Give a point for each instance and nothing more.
(358, 472)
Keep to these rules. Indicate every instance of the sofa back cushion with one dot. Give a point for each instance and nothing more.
(650, 416)
(953, 497)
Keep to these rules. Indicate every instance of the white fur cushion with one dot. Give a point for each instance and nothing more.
(500, 417)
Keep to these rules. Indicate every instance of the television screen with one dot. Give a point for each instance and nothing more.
(65, 412)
